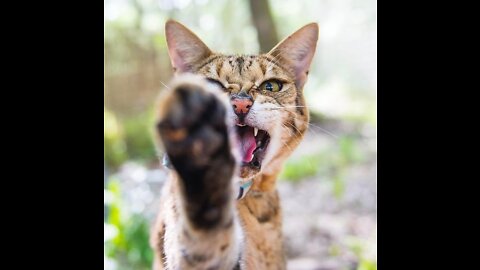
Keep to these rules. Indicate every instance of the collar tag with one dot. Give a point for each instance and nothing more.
(244, 188)
(166, 162)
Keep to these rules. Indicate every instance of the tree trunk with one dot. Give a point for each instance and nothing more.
(263, 22)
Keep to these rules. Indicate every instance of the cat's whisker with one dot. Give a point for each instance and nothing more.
(320, 128)
(291, 150)
(298, 139)
(292, 125)
(165, 85)
(278, 52)
(315, 133)
(286, 107)
(281, 108)
(274, 57)
(324, 130)
(269, 65)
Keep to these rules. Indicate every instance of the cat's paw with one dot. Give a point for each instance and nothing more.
(194, 132)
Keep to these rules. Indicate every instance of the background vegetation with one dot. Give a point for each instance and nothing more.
(333, 170)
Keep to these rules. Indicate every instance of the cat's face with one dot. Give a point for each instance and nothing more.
(265, 91)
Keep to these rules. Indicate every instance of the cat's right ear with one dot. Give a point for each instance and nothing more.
(297, 51)
(184, 47)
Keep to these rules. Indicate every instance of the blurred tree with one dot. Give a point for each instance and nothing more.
(263, 22)
(139, 10)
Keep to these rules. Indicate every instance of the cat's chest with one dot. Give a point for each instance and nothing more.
(260, 215)
(262, 229)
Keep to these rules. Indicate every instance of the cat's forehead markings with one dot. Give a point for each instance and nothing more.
(208, 61)
(237, 69)
(240, 62)
(212, 70)
(219, 66)
(230, 61)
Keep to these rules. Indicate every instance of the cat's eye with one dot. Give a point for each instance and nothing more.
(213, 81)
(273, 86)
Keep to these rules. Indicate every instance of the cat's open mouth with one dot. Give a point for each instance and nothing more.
(253, 145)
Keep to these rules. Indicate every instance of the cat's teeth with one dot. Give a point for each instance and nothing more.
(255, 132)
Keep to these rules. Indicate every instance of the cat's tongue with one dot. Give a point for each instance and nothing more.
(248, 143)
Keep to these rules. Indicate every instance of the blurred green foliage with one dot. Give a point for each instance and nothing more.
(131, 244)
(305, 166)
(115, 152)
(357, 246)
(349, 151)
(332, 162)
(138, 136)
(341, 85)
(128, 139)
(366, 264)
(334, 250)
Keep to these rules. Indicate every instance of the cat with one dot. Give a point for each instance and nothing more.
(227, 123)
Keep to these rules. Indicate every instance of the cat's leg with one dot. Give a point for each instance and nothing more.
(202, 231)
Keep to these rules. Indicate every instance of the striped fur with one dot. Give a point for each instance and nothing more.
(200, 224)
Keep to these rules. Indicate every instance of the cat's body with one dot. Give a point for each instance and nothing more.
(237, 129)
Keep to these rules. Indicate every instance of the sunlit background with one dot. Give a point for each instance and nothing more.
(328, 187)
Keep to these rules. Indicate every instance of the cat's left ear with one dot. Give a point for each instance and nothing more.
(297, 50)
(185, 49)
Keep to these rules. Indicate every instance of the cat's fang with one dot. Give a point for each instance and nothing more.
(255, 132)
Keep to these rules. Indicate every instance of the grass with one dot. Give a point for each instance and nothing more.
(332, 163)
(366, 264)
(301, 168)
(131, 245)
(357, 246)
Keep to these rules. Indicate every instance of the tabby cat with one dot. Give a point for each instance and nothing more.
(227, 123)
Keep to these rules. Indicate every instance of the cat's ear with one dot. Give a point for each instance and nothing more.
(297, 50)
(184, 47)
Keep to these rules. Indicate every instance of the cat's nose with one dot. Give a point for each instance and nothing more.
(241, 104)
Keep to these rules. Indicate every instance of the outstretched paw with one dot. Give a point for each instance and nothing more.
(194, 133)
